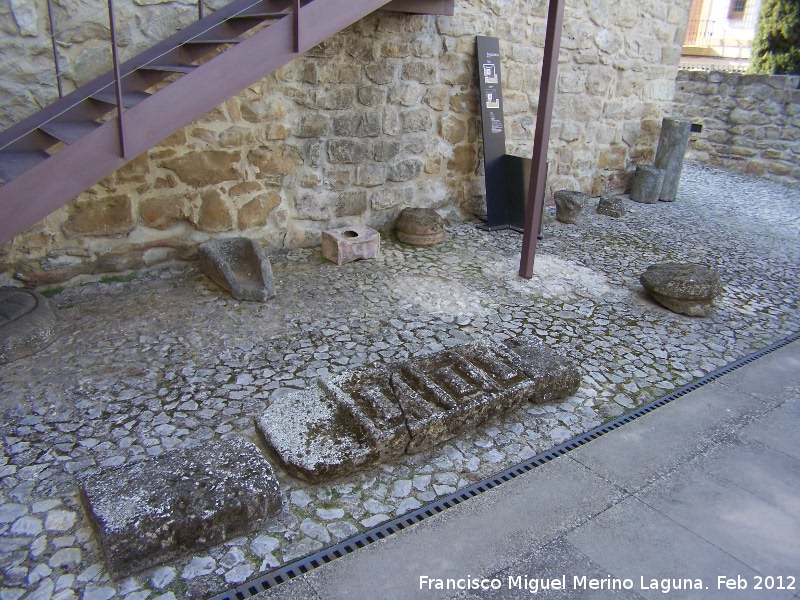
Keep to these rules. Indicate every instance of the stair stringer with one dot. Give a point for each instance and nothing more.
(30, 197)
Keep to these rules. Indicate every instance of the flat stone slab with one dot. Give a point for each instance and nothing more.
(149, 512)
(377, 413)
(346, 244)
(28, 323)
(420, 227)
(684, 288)
(239, 266)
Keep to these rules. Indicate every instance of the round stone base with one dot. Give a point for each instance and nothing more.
(416, 239)
(420, 227)
(684, 288)
(28, 323)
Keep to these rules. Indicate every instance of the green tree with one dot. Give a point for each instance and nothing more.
(776, 48)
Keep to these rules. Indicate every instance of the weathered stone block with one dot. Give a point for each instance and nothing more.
(160, 213)
(612, 206)
(210, 167)
(416, 120)
(464, 160)
(405, 170)
(313, 437)
(28, 323)
(388, 197)
(149, 512)
(381, 412)
(381, 73)
(453, 129)
(347, 244)
(314, 125)
(385, 150)
(256, 212)
(214, 214)
(647, 184)
(346, 151)
(351, 203)
(100, 216)
(277, 159)
(360, 124)
(371, 175)
(239, 266)
(312, 206)
(420, 71)
(554, 375)
(684, 288)
(569, 205)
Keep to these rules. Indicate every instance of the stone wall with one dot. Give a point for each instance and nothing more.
(751, 123)
(382, 116)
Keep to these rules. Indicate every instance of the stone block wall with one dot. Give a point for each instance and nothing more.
(751, 123)
(382, 116)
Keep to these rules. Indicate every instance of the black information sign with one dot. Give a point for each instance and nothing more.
(504, 208)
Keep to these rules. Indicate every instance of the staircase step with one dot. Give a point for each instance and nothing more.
(214, 41)
(128, 98)
(169, 68)
(15, 164)
(69, 131)
(261, 16)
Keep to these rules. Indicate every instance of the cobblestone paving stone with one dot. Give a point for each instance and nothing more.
(166, 361)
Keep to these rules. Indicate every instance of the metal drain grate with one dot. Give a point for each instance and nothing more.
(326, 555)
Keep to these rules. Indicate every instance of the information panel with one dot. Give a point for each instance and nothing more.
(502, 204)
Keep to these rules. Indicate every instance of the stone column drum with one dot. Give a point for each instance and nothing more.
(671, 149)
(647, 184)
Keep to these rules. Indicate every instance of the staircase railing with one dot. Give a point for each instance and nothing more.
(52, 79)
(41, 174)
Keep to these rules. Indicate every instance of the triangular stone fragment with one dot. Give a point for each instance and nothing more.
(239, 266)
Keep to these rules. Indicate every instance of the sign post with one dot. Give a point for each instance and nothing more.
(503, 173)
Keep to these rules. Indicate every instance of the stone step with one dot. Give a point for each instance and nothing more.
(149, 512)
(381, 412)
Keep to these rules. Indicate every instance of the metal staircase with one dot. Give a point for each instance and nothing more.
(54, 155)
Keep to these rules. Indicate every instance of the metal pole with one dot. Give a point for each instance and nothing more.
(55, 49)
(541, 138)
(117, 80)
(199, 9)
(297, 26)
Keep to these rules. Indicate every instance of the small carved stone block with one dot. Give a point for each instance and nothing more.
(347, 244)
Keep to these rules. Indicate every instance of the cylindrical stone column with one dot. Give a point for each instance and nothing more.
(671, 149)
(647, 184)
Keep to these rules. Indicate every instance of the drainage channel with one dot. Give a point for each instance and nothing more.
(360, 540)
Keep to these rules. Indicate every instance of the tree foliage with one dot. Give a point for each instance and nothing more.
(776, 48)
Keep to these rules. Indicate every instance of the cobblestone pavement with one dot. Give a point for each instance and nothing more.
(164, 360)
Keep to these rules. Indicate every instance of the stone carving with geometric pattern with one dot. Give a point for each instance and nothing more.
(378, 413)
